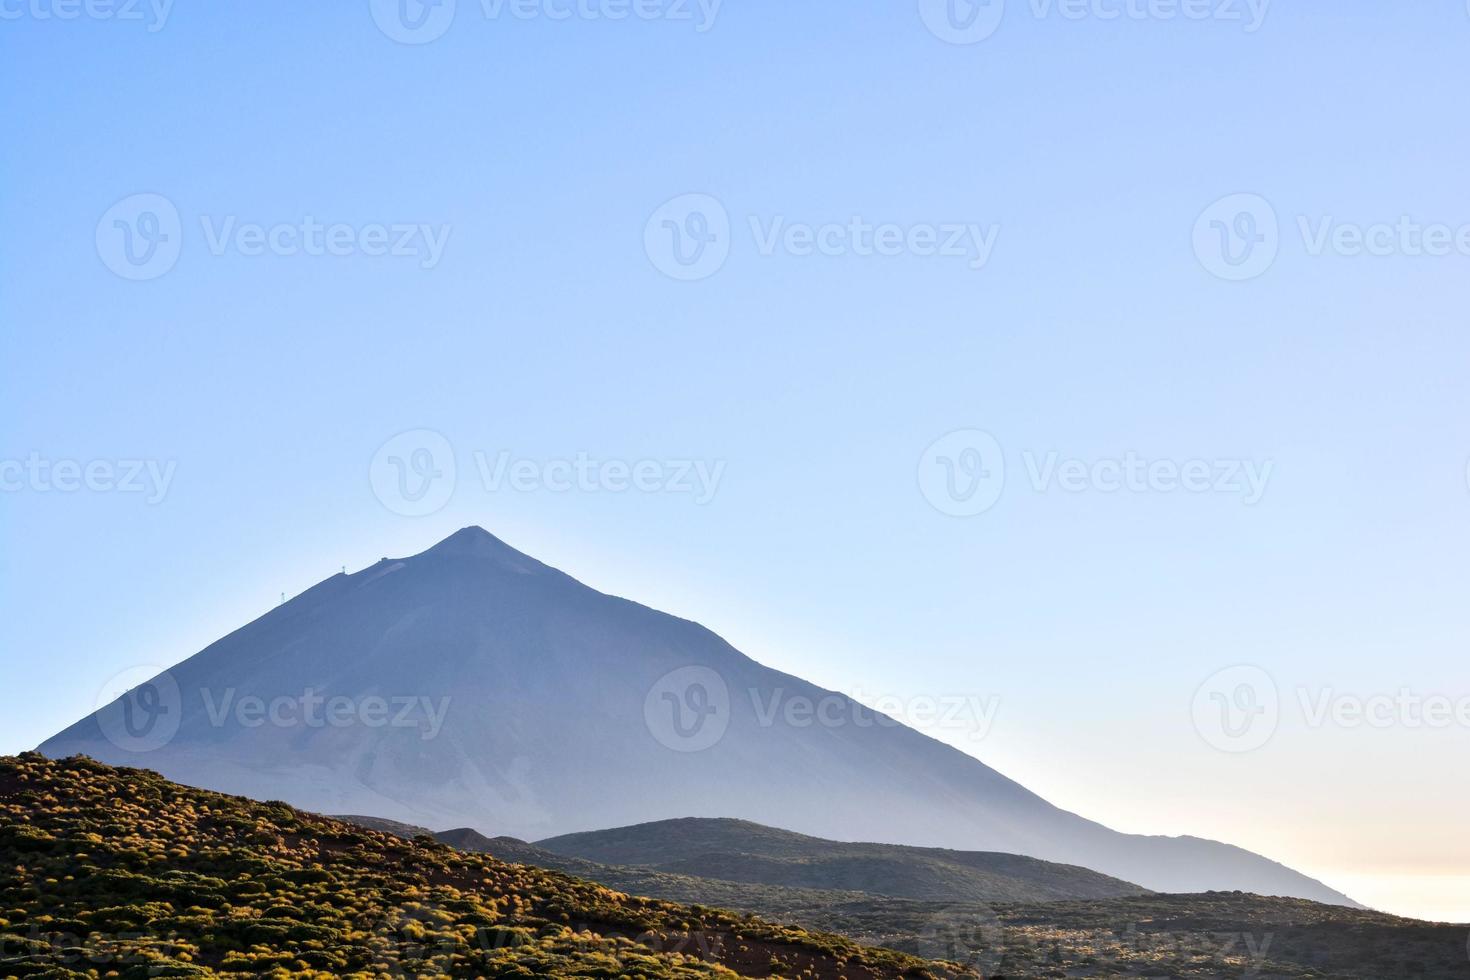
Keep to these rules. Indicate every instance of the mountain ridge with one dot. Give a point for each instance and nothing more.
(739, 850)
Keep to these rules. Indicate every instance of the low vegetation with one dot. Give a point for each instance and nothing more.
(109, 872)
(119, 873)
(1190, 937)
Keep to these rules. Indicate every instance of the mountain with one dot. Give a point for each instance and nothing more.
(471, 685)
(394, 827)
(737, 850)
(517, 851)
(119, 872)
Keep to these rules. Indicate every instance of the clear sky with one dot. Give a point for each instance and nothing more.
(1191, 435)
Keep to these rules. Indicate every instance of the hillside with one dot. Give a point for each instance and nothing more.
(122, 871)
(785, 904)
(738, 850)
(1189, 937)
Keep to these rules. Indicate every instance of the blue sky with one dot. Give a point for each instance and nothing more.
(531, 311)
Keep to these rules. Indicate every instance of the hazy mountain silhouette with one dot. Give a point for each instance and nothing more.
(569, 710)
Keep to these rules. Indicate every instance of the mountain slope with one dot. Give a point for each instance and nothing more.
(737, 850)
(1201, 937)
(120, 870)
(474, 686)
(690, 859)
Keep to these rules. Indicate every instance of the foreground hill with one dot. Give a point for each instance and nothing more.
(473, 686)
(122, 872)
(737, 850)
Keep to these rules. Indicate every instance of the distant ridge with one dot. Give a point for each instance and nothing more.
(693, 856)
(738, 850)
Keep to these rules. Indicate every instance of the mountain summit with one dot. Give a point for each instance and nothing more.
(472, 685)
(476, 542)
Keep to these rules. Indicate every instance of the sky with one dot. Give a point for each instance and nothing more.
(1084, 381)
